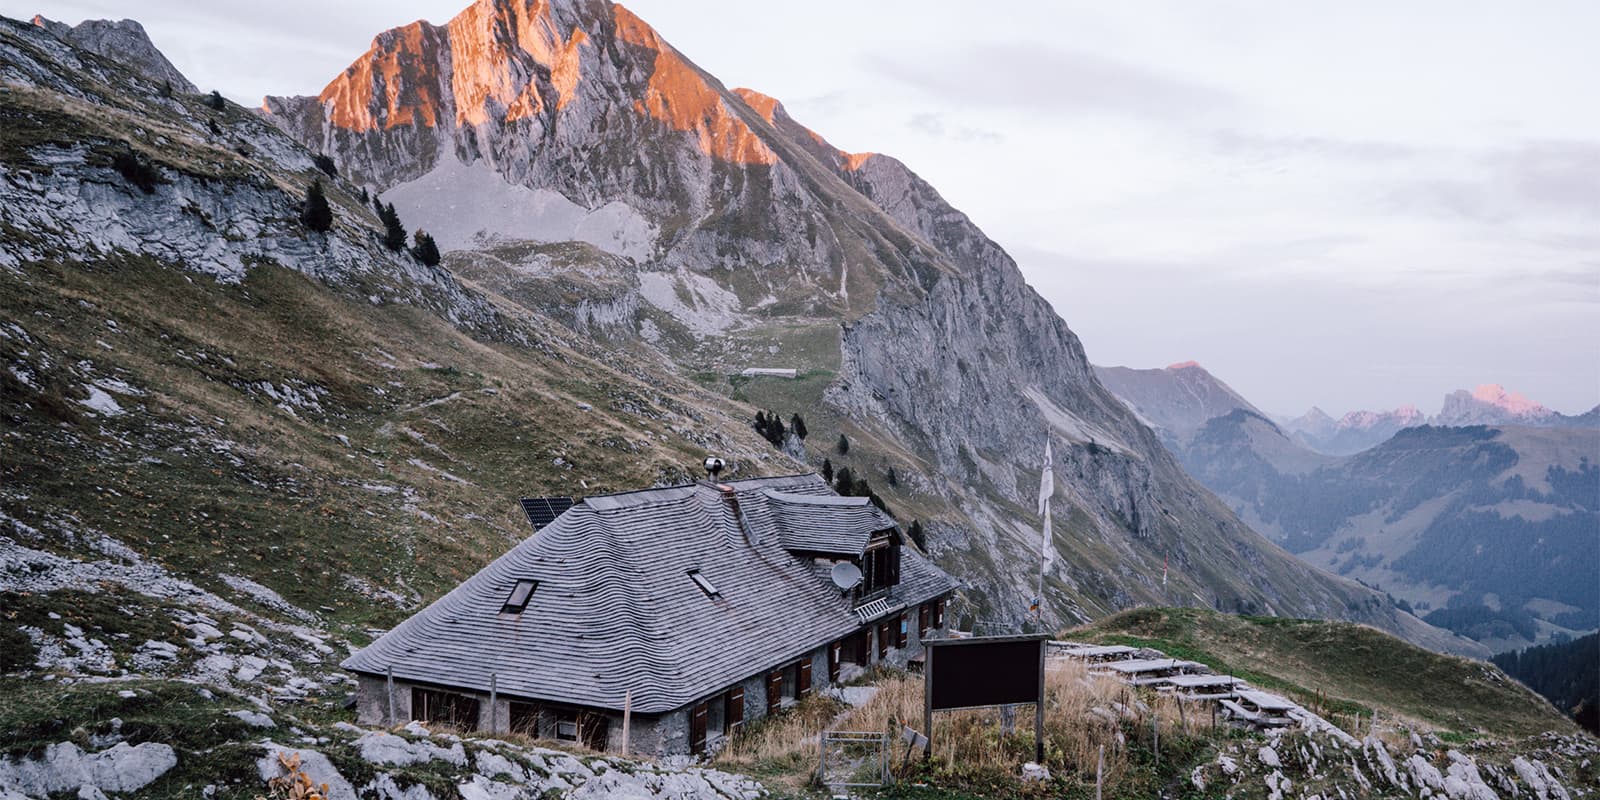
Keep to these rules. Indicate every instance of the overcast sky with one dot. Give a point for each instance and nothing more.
(1355, 205)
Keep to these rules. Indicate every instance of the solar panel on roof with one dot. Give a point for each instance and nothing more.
(542, 511)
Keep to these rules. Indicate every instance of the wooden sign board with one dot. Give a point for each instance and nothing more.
(985, 671)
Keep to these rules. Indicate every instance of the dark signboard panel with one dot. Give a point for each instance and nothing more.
(965, 673)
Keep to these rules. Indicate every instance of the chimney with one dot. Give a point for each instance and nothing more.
(730, 498)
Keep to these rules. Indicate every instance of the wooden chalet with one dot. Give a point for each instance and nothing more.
(696, 608)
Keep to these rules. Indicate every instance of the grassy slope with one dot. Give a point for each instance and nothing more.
(1345, 668)
(242, 485)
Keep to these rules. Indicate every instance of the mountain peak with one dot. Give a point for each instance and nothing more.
(1185, 365)
(1513, 402)
(1490, 404)
(122, 41)
(516, 63)
(680, 96)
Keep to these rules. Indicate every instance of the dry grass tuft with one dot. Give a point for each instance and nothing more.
(1083, 713)
(785, 744)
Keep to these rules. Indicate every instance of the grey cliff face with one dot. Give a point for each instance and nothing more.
(123, 41)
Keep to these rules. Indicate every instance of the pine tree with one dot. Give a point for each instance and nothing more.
(325, 164)
(424, 248)
(844, 482)
(844, 445)
(377, 206)
(317, 215)
(798, 425)
(364, 194)
(775, 430)
(215, 101)
(394, 234)
(917, 534)
(891, 478)
(827, 470)
(872, 497)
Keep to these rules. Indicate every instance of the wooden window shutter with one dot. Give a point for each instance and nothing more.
(905, 625)
(923, 618)
(733, 712)
(835, 658)
(697, 728)
(894, 564)
(883, 640)
(804, 687)
(774, 691)
(938, 613)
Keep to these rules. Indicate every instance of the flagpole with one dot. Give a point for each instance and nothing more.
(1047, 487)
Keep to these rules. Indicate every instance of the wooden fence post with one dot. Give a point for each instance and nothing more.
(493, 695)
(1155, 736)
(627, 717)
(1099, 770)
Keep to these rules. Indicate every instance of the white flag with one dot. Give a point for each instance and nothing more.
(1047, 488)
(1049, 551)
(1047, 480)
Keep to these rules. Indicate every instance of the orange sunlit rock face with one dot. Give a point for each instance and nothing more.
(403, 65)
(769, 108)
(484, 50)
(765, 105)
(481, 67)
(853, 161)
(489, 38)
(681, 98)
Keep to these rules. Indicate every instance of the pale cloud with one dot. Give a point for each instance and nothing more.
(1045, 80)
(934, 125)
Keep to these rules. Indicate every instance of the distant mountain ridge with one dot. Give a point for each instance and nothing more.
(1489, 404)
(1176, 400)
(1179, 399)
(1489, 530)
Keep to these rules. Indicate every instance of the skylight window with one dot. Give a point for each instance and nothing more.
(705, 585)
(518, 599)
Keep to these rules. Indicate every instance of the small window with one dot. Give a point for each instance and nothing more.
(518, 599)
(567, 726)
(705, 585)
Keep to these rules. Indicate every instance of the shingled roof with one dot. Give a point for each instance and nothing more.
(615, 609)
(811, 523)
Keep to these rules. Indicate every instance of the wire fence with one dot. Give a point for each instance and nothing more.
(852, 759)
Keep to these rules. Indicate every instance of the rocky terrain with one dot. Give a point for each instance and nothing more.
(1331, 763)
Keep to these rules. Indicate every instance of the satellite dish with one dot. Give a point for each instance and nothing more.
(846, 575)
